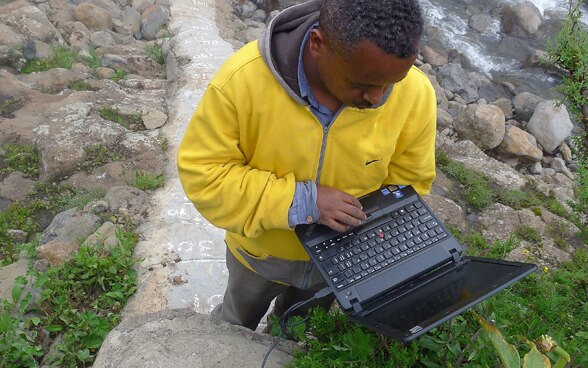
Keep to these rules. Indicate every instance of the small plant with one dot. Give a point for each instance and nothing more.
(528, 233)
(81, 301)
(146, 181)
(93, 61)
(155, 53)
(118, 75)
(8, 105)
(559, 231)
(163, 142)
(62, 58)
(114, 115)
(79, 85)
(24, 159)
(98, 155)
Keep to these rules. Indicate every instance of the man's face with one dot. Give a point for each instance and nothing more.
(362, 78)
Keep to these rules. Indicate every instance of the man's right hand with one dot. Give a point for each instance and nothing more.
(339, 210)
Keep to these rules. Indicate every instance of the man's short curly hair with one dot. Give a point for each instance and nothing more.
(395, 26)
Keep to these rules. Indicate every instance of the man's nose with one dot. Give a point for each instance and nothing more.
(373, 95)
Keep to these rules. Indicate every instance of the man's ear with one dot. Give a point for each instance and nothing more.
(318, 41)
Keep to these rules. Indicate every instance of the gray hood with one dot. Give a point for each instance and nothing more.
(280, 44)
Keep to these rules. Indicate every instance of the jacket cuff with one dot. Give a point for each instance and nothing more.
(304, 209)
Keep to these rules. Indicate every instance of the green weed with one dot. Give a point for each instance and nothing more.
(81, 301)
(118, 75)
(528, 233)
(62, 58)
(98, 155)
(24, 159)
(79, 85)
(115, 116)
(8, 105)
(155, 53)
(92, 61)
(147, 181)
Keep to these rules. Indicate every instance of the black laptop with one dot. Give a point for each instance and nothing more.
(401, 272)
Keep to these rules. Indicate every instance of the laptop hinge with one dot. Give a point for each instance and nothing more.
(457, 259)
(356, 305)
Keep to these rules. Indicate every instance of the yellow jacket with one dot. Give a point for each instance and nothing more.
(249, 141)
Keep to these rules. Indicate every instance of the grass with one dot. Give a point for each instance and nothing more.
(114, 115)
(147, 181)
(79, 85)
(118, 75)
(98, 155)
(21, 158)
(25, 215)
(155, 53)
(8, 105)
(62, 58)
(92, 61)
(330, 340)
(80, 302)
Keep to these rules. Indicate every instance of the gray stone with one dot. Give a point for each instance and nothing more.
(72, 225)
(141, 5)
(452, 77)
(444, 119)
(435, 55)
(498, 222)
(131, 18)
(102, 39)
(182, 338)
(105, 236)
(521, 20)
(114, 61)
(524, 105)
(154, 119)
(16, 186)
(10, 38)
(35, 49)
(506, 106)
(559, 165)
(31, 22)
(152, 20)
(536, 168)
(484, 24)
(550, 124)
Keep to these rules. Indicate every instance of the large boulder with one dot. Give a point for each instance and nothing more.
(524, 105)
(520, 144)
(521, 20)
(453, 77)
(550, 124)
(482, 124)
(93, 16)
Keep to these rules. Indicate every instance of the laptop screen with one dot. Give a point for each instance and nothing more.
(436, 297)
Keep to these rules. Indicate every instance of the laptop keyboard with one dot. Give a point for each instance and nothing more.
(355, 256)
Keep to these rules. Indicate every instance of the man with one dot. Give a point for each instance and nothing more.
(324, 108)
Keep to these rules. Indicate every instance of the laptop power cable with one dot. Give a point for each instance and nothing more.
(284, 325)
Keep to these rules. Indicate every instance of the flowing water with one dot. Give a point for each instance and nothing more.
(450, 17)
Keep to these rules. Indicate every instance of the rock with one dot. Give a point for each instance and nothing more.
(536, 168)
(57, 252)
(506, 106)
(31, 22)
(128, 201)
(93, 16)
(114, 61)
(448, 211)
(524, 105)
(152, 20)
(70, 226)
(521, 20)
(435, 55)
(102, 39)
(482, 124)
(101, 179)
(559, 165)
(467, 153)
(444, 119)
(131, 18)
(105, 236)
(35, 49)
(566, 153)
(141, 5)
(454, 78)
(10, 38)
(154, 119)
(550, 124)
(520, 144)
(16, 187)
(484, 24)
(18, 236)
(498, 222)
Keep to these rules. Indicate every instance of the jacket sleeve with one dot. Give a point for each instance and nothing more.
(415, 164)
(216, 177)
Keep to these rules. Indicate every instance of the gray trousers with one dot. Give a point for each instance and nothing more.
(249, 295)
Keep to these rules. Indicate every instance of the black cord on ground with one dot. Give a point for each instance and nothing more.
(284, 318)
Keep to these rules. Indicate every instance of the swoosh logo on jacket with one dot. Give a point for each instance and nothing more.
(369, 162)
